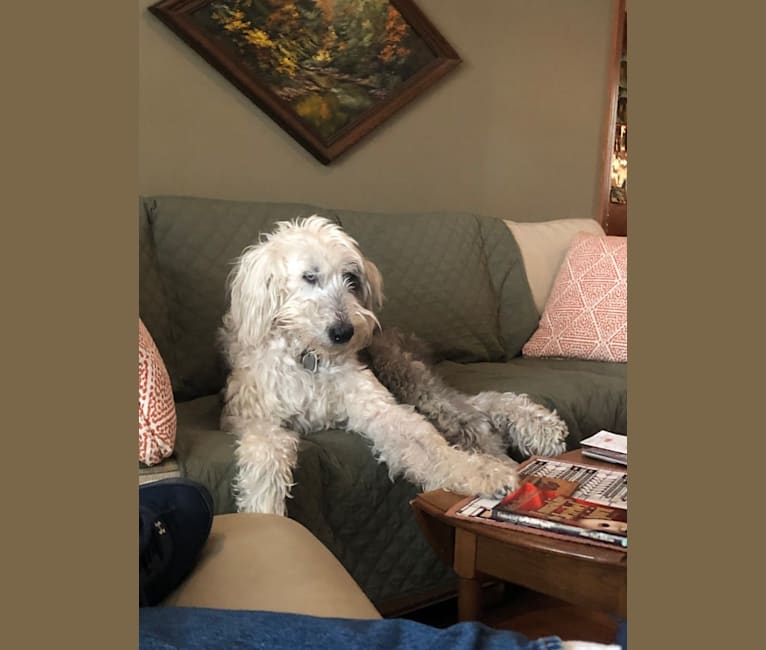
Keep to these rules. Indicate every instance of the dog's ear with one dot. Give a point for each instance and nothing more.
(373, 286)
(254, 294)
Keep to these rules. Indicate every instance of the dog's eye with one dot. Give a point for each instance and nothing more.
(310, 277)
(351, 280)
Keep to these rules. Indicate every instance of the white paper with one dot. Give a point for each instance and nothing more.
(608, 440)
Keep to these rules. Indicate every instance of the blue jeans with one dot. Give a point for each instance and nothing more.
(192, 628)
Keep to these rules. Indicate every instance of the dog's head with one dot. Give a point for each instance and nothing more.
(308, 280)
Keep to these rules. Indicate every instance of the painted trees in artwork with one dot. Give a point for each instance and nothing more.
(330, 59)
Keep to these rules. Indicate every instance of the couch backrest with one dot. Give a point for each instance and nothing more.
(456, 280)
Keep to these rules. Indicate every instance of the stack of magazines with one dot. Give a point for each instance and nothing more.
(604, 445)
(560, 499)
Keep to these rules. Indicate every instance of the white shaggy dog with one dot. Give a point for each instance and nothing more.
(300, 312)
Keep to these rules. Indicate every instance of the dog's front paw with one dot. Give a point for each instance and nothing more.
(485, 476)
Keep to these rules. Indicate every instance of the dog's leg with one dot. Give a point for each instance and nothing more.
(266, 455)
(528, 427)
(401, 364)
(412, 447)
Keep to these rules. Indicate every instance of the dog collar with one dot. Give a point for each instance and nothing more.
(310, 361)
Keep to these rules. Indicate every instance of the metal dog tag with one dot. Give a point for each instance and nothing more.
(310, 361)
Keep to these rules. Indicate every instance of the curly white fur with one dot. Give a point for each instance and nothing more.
(305, 290)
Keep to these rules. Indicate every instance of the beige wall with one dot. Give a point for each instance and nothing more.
(515, 131)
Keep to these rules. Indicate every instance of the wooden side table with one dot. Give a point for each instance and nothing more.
(585, 575)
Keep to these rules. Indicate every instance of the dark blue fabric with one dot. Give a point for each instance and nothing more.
(174, 520)
(622, 635)
(192, 628)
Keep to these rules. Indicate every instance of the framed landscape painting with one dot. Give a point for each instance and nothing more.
(327, 71)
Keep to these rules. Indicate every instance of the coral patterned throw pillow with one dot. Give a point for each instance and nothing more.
(156, 408)
(586, 314)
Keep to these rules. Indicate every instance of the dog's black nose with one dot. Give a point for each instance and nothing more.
(341, 332)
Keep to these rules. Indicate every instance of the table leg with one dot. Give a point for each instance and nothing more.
(469, 587)
(469, 599)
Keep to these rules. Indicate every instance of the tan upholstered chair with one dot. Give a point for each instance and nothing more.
(271, 563)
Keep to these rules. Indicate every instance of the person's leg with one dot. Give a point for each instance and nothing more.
(194, 628)
(197, 629)
(174, 520)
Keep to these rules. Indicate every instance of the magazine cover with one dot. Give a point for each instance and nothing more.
(607, 487)
(563, 500)
(550, 499)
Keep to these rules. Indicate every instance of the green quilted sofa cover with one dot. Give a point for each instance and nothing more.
(457, 280)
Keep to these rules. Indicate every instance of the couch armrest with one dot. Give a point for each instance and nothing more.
(271, 563)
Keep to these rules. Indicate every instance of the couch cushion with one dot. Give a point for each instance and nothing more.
(588, 395)
(586, 316)
(543, 246)
(196, 242)
(204, 452)
(435, 279)
(156, 409)
(517, 313)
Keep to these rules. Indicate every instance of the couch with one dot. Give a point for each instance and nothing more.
(459, 281)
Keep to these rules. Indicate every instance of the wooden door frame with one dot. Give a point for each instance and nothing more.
(619, 23)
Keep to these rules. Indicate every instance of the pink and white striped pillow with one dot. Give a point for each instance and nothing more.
(156, 408)
(586, 314)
